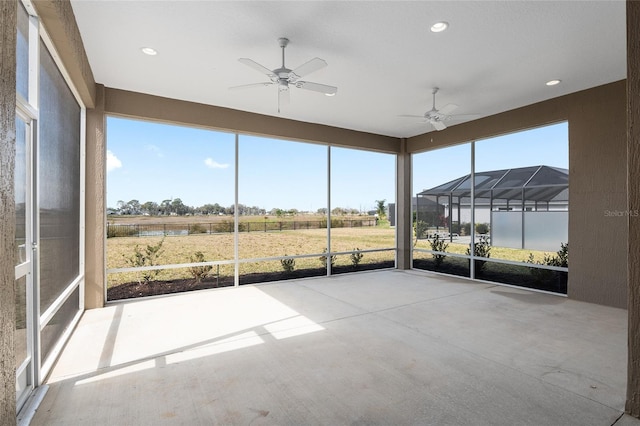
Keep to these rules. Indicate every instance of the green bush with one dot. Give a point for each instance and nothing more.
(121, 231)
(481, 249)
(356, 257)
(337, 223)
(228, 226)
(323, 259)
(438, 244)
(199, 272)
(288, 265)
(482, 228)
(466, 228)
(560, 259)
(421, 228)
(455, 228)
(197, 228)
(146, 257)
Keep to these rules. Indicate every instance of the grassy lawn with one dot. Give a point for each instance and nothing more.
(252, 245)
(179, 249)
(516, 255)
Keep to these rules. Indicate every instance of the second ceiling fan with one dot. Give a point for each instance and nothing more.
(437, 117)
(285, 78)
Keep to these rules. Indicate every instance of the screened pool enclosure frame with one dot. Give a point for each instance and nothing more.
(523, 190)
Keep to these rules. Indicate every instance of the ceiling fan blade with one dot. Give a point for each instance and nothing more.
(447, 109)
(317, 87)
(438, 125)
(307, 68)
(412, 116)
(256, 66)
(249, 86)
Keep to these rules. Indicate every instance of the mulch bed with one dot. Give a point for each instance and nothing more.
(134, 290)
(554, 281)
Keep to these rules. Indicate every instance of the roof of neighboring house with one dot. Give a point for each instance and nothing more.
(539, 183)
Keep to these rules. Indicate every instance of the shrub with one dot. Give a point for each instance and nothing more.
(466, 228)
(121, 230)
(288, 265)
(323, 259)
(228, 226)
(146, 257)
(481, 249)
(197, 228)
(356, 257)
(421, 228)
(482, 228)
(560, 259)
(455, 228)
(438, 244)
(337, 223)
(199, 272)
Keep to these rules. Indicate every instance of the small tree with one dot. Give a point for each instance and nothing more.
(288, 265)
(381, 209)
(146, 257)
(481, 249)
(356, 257)
(438, 244)
(199, 272)
(323, 259)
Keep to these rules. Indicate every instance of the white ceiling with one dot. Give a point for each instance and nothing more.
(382, 56)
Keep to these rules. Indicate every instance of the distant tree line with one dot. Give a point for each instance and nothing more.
(175, 207)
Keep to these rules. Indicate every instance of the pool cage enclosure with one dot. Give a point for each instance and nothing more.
(524, 207)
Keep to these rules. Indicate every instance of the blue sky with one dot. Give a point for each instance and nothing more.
(153, 162)
(546, 145)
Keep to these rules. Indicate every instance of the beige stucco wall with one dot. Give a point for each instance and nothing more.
(633, 169)
(148, 107)
(8, 18)
(95, 199)
(597, 173)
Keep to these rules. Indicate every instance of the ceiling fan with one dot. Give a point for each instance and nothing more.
(437, 117)
(284, 78)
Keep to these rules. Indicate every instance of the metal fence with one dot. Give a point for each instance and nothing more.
(160, 229)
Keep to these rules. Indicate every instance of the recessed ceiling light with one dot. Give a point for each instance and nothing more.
(438, 27)
(330, 94)
(149, 51)
(553, 82)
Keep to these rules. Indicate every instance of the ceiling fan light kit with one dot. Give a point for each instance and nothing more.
(284, 77)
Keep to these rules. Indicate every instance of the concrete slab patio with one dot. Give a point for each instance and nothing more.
(388, 348)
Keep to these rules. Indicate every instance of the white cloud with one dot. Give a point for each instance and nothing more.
(209, 162)
(112, 162)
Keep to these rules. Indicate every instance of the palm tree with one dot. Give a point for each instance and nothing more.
(381, 210)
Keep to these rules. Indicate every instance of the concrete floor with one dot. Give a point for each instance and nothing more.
(387, 348)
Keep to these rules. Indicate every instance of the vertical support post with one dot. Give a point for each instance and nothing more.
(404, 204)
(522, 226)
(632, 405)
(450, 224)
(472, 247)
(236, 218)
(328, 210)
(95, 293)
